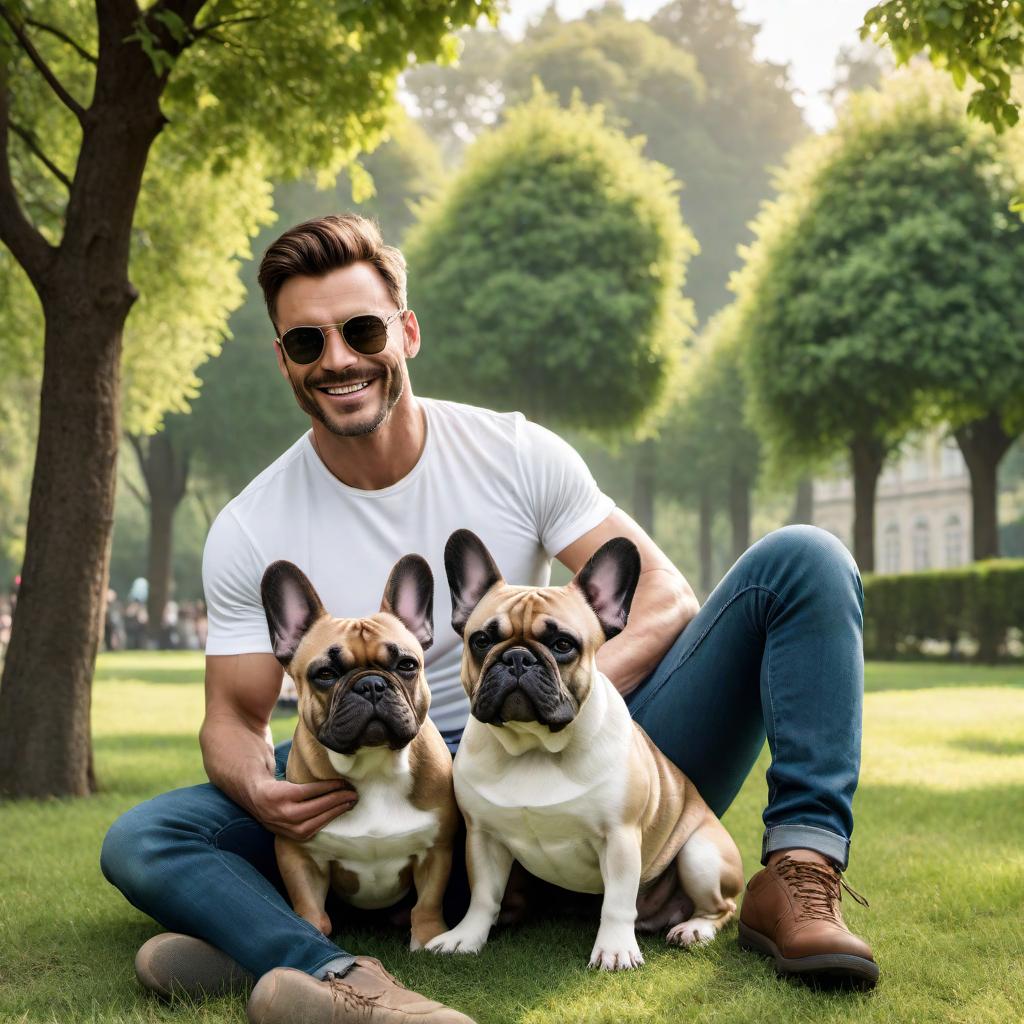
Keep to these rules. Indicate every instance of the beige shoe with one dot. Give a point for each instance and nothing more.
(180, 964)
(366, 993)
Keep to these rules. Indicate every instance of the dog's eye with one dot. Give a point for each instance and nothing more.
(408, 665)
(480, 641)
(324, 677)
(563, 645)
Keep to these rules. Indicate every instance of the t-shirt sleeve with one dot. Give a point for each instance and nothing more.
(232, 571)
(565, 497)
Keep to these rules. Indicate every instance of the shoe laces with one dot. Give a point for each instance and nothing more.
(349, 997)
(819, 887)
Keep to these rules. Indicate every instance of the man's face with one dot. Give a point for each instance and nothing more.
(334, 298)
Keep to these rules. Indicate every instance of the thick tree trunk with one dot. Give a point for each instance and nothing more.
(45, 744)
(645, 484)
(867, 456)
(803, 502)
(706, 514)
(739, 512)
(983, 443)
(165, 470)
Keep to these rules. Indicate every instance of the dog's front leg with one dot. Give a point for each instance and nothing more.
(307, 882)
(488, 863)
(616, 948)
(431, 878)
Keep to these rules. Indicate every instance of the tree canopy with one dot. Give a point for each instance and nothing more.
(548, 278)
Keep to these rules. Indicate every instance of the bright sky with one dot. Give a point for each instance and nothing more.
(806, 34)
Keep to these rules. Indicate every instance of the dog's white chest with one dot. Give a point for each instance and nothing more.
(382, 836)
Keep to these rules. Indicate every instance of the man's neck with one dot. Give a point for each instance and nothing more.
(371, 462)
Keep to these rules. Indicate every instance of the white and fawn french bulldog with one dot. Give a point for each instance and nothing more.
(552, 772)
(363, 702)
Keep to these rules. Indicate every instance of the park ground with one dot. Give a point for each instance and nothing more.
(938, 850)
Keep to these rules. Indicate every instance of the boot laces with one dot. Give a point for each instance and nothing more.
(819, 888)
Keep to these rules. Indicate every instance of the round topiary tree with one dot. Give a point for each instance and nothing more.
(548, 277)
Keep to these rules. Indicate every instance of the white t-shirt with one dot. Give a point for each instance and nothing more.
(520, 488)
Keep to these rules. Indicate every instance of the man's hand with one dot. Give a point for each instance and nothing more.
(298, 811)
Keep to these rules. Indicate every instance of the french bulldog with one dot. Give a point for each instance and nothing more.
(362, 702)
(552, 772)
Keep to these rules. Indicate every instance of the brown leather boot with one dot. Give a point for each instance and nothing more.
(791, 913)
(170, 964)
(366, 994)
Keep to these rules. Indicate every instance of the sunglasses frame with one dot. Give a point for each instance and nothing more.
(386, 318)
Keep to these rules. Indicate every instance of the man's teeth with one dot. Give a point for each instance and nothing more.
(348, 388)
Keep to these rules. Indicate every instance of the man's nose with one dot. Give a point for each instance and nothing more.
(336, 355)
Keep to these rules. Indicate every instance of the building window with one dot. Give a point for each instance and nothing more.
(891, 548)
(915, 465)
(920, 543)
(954, 540)
(952, 459)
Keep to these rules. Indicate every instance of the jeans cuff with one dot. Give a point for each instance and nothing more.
(337, 965)
(806, 837)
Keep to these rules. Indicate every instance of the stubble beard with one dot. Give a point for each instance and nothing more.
(394, 385)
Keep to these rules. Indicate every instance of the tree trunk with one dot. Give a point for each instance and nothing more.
(983, 443)
(867, 456)
(706, 514)
(644, 484)
(45, 743)
(739, 512)
(803, 503)
(165, 470)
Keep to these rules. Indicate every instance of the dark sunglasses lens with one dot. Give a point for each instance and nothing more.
(366, 334)
(303, 344)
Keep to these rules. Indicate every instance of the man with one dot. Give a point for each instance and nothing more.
(776, 650)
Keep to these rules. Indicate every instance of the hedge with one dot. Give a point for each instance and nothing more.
(980, 603)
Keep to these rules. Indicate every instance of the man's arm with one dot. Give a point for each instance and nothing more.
(662, 605)
(241, 691)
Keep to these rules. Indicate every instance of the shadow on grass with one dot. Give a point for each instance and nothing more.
(137, 673)
(988, 745)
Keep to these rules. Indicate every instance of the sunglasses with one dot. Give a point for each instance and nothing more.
(366, 334)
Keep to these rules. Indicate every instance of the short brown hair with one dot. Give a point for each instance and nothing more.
(324, 244)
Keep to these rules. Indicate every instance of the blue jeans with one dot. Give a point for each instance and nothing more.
(775, 651)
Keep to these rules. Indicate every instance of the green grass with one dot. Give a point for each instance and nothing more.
(939, 851)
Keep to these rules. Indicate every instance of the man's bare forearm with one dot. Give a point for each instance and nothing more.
(662, 606)
(235, 755)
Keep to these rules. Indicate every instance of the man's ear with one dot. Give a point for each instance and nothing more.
(291, 605)
(410, 334)
(608, 582)
(281, 365)
(409, 596)
(471, 573)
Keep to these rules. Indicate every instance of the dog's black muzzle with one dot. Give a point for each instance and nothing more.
(519, 688)
(371, 712)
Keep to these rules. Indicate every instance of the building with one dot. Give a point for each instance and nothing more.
(922, 509)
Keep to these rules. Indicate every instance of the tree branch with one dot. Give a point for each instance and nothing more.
(208, 30)
(51, 79)
(30, 140)
(80, 50)
(17, 232)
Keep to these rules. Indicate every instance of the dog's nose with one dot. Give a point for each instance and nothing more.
(370, 687)
(519, 659)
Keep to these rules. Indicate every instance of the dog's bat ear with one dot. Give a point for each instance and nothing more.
(471, 573)
(409, 596)
(608, 582)
(291, 605)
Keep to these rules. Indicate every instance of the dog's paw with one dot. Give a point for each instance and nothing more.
(698, 931)
(616, 950)
(458, 940)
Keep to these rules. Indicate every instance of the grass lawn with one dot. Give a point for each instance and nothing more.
(939, 851)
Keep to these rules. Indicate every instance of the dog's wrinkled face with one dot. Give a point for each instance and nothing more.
(360, 681)
(528, 652)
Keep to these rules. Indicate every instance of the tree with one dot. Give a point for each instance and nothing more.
(884, 291)
(708, 456)
(297, 85)
(548, 277)
(976, 39)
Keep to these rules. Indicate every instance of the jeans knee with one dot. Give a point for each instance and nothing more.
(815, 554)
(128, 854)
